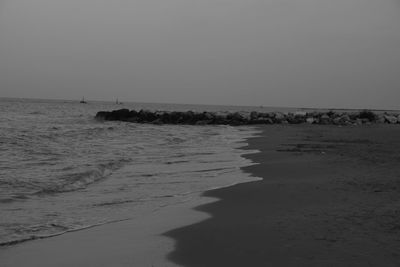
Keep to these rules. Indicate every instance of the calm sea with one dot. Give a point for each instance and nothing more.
(62, 170)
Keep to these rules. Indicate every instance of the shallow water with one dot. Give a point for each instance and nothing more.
(62, 170)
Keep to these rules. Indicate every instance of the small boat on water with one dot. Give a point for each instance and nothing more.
(117, 102)
(83, 101)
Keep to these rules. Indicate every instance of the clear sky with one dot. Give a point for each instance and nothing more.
(299, 53)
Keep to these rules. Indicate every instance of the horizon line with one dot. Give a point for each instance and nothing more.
(196, 104)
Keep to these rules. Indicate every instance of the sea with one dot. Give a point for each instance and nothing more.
(62, 170)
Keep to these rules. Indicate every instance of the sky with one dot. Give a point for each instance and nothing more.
(287, 53)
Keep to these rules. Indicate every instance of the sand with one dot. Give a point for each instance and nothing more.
(329, 197)
(137, 242)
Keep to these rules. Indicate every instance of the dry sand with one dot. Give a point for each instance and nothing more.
(330, 197)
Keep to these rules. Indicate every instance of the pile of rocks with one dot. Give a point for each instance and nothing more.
(246, 118)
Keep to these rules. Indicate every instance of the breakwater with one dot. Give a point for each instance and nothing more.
(247, 118)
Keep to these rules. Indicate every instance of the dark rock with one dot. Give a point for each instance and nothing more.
(146, 116)
(390, 119)
(203, 122)
(358, 122)
(262, 120)
(366, 114)
(325, 119)
(330, 113)
(254, 115)
(157, 121)
(235, 118)
(132, 119)
(365, 121)
(336, 120)
(102, 115)
(120, 114)
(278, 117)
(296, 118)
(245, 118)
(353, 116)
(380, 118)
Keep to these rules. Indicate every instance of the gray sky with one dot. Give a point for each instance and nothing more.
(302, 53)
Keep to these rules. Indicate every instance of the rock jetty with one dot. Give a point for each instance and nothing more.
(248, 118)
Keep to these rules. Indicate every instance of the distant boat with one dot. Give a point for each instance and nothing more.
(117, 102)
(83, 101)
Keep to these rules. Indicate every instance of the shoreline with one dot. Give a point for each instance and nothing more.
(321, 202)
(139, 241)
(328, 198)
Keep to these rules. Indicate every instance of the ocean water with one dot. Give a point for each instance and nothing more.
(61, 170)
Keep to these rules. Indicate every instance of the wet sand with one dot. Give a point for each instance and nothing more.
(329, 197)
(130, 243)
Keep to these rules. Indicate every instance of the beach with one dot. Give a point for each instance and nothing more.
(328, 197)
(136, 242)
(199, 133)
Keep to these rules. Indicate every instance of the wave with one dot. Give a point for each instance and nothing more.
(68, 230)
(81, 180)
(22, 190)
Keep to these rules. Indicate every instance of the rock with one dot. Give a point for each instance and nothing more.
(390, 119)
(264, 115)
(353, 116)
(380, 118)
(262, 121)
(310, 120)
(157, 121)
(254, 115)
(331, 114)
(300, 113)
(203, 122)
(295, 119)
(133, 113)
(132, 119)
(235, 118)
(174, 117)
(345, 118)
(278, 117)
(341, 119)
(365, 121)
(268, 121)
(146, 116)
(120, 114)
(208, 116)
(325, 119)
(102, 115)
(366, 114)
(358, 122)
(245, 118)
(221, 119)
(337, 121)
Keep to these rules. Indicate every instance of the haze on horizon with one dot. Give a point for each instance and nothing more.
(308, 53)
